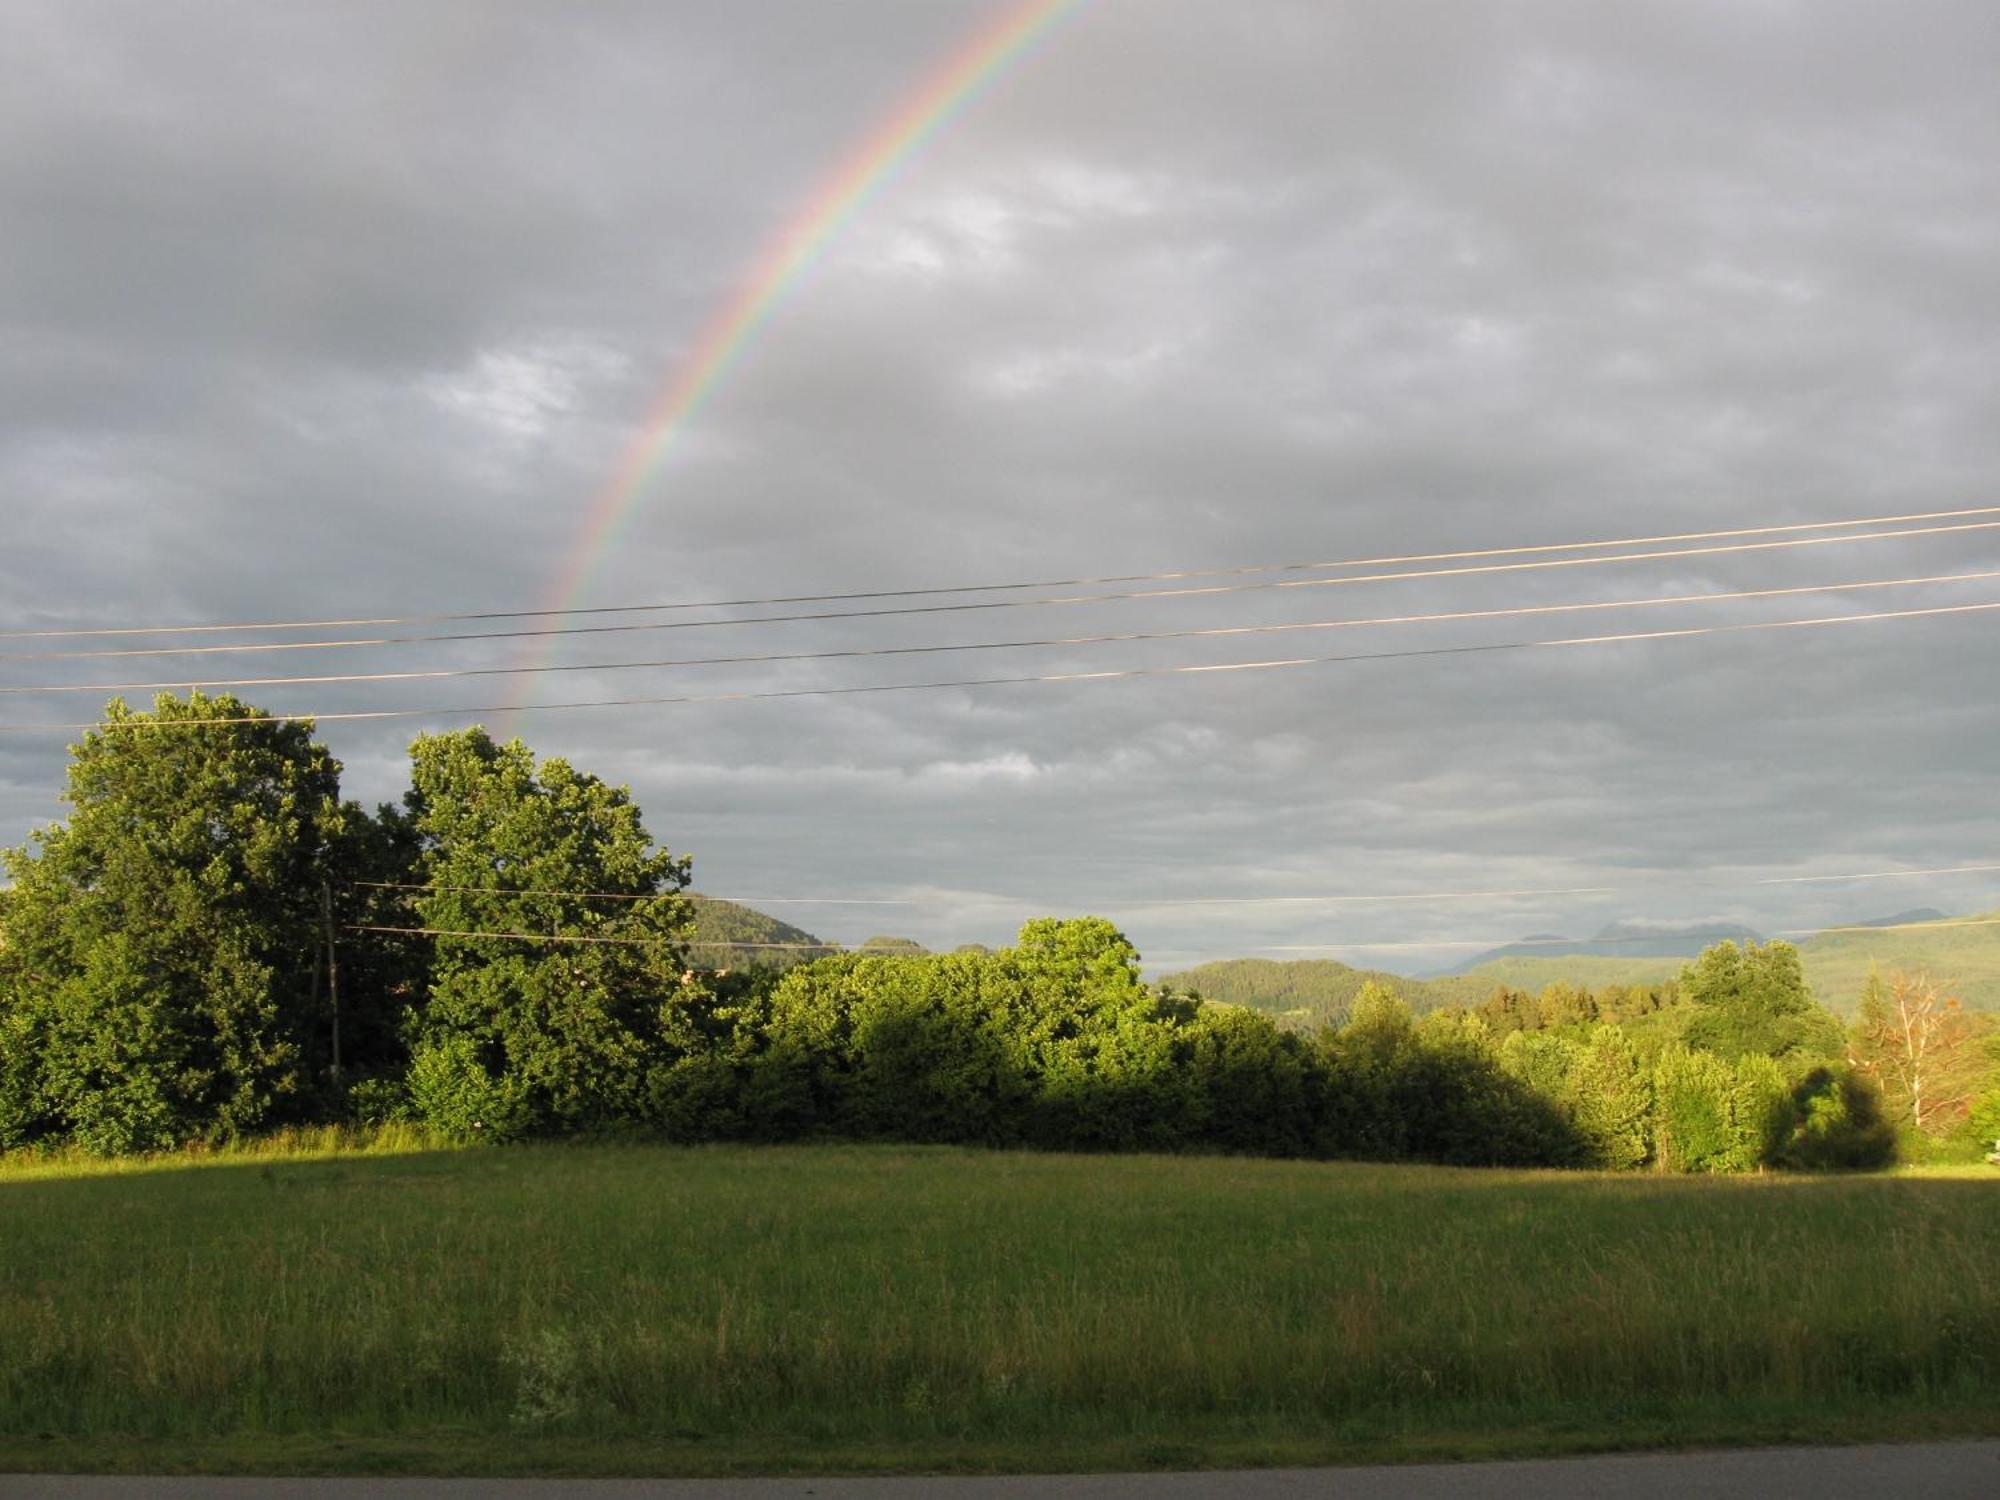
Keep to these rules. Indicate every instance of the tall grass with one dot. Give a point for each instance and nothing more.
(809, 1301)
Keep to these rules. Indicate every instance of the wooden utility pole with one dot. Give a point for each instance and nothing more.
(332, 969)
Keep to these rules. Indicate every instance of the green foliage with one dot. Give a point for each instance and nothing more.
(731, 936)
(158, 981)
(1965, 952)
(1762, 1114)
(1836, 962)
(1754, 1001)
(1837, 1124)
(1598, 1083)
(1256, 1089)
(530, 1036)
(383, 974)
(1306, 994)
(545, 990)
(907, 1049)
(1584, 970)
(1712, 1114)
(1611, 1100)
(1983, 1121)
(456, 1089)
(379, 1100)
(1692, 1128)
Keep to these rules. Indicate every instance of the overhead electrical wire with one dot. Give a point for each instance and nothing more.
(365, 642)
(1185, 669)
(1238, 571)
(559, 938)
(1514, 611)
(494, 890)
(1170, 901)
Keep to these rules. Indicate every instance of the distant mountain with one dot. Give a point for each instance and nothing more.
(1310, 992)
(1961, 953)
(730, 936)
(903, 947)
(1622, 940)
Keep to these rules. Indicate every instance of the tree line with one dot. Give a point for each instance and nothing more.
(214, 943)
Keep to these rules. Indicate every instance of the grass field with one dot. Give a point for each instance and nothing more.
(636, 1309)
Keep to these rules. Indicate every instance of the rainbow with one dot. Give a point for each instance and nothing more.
(779, 268)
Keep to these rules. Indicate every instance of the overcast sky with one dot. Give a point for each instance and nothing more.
(352, 309)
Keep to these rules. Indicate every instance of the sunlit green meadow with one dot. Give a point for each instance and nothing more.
(336, 1302)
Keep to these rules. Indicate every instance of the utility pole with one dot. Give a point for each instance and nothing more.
(332, 969)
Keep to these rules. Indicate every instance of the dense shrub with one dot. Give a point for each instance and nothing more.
(1837, 1123)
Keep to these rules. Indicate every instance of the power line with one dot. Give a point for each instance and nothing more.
(562, 937)
(1687, 632)
(1454, 895)
(1577, 890)
(559, 938)
(1514, 611)
(360, 642)
(393, 885)
(1252, 568)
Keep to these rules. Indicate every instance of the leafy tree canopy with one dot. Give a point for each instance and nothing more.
(159, 979)
(1754, 1000)
(559, 1022)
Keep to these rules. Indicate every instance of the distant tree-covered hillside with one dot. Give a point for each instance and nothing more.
(1962, 952)
(1586, 970)
(1313, 992)
(725, 935)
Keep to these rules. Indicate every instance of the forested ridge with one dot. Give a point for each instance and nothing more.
(728, 935)
(214, 943)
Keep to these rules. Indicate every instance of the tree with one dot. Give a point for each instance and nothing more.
(1099, 1040)
(1597, 1082)
(159, 979)
(1612, 1100)
(1920, 1046)
(1754, 1001)
(560, 1021)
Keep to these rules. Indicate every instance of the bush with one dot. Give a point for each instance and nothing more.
(379, 1101)
(452, 1091)
(1837, 1123)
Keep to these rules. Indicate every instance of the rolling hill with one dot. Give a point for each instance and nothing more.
(1961, 953)
(1617, 940)
(721, 926)
(1962, 956)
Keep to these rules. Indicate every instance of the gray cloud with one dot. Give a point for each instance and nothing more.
(351, 310)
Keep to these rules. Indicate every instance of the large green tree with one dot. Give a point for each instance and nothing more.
(545, 1011)
(159, 980)
(1754, 1001)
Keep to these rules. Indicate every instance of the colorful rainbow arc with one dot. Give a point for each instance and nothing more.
(784, 260)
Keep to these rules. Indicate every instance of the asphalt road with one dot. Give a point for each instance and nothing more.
(1935, 1471)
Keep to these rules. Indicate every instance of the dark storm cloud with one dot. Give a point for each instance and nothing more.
(354, 309)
